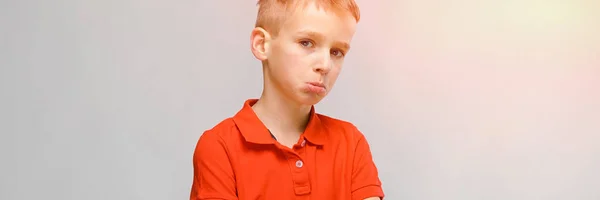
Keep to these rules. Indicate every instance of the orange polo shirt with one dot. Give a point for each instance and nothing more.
(238, 159)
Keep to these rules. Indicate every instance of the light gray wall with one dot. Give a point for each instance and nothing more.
(462, 100)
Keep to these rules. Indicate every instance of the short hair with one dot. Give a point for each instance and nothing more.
(273, 13)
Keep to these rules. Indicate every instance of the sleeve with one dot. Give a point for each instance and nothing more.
(213, 174)
(365, 178)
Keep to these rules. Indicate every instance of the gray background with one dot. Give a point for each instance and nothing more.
(459, 99)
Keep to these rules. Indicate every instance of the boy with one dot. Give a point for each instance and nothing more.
(276, 147)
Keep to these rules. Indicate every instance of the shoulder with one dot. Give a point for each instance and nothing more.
(341, 128)
(219, 134)
(332, 122)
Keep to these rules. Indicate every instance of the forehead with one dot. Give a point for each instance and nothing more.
(327, 22)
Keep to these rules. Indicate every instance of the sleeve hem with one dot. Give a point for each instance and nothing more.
(368, 191)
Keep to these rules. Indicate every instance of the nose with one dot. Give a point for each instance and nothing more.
(324, 63)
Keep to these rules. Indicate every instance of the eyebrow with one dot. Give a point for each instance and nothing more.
(345, 46)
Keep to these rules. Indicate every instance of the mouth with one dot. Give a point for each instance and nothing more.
(316, 88)
(317, 84)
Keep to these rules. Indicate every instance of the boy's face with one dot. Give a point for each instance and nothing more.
(305, 58)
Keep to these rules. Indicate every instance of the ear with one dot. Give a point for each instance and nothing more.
(259, 40)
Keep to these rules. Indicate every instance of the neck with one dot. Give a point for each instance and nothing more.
(281, 115)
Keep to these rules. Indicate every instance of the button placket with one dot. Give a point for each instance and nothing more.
(299, 173)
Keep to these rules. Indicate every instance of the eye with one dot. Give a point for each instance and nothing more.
(306, 43)
(337, 53)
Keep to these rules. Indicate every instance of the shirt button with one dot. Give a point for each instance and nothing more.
(299, 164)
(303, 143)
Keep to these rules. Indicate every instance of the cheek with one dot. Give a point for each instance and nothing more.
(333, 75)
(293, 56)
(293, 60)
(286, 65)
(288, 57)
(337, 67)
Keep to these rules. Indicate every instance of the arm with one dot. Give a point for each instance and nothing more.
(213, 174)
(365, 179)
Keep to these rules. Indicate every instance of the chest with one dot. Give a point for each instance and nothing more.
(303, 172)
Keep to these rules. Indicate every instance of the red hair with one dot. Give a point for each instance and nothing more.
(272, 13)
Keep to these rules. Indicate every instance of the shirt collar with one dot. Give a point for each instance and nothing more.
(253, 130)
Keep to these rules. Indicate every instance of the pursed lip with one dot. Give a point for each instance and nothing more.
(317, 84)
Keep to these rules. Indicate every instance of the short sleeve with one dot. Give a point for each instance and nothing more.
(365, 178)
(213, 174)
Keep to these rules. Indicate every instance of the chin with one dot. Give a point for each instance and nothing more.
(309, 99)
